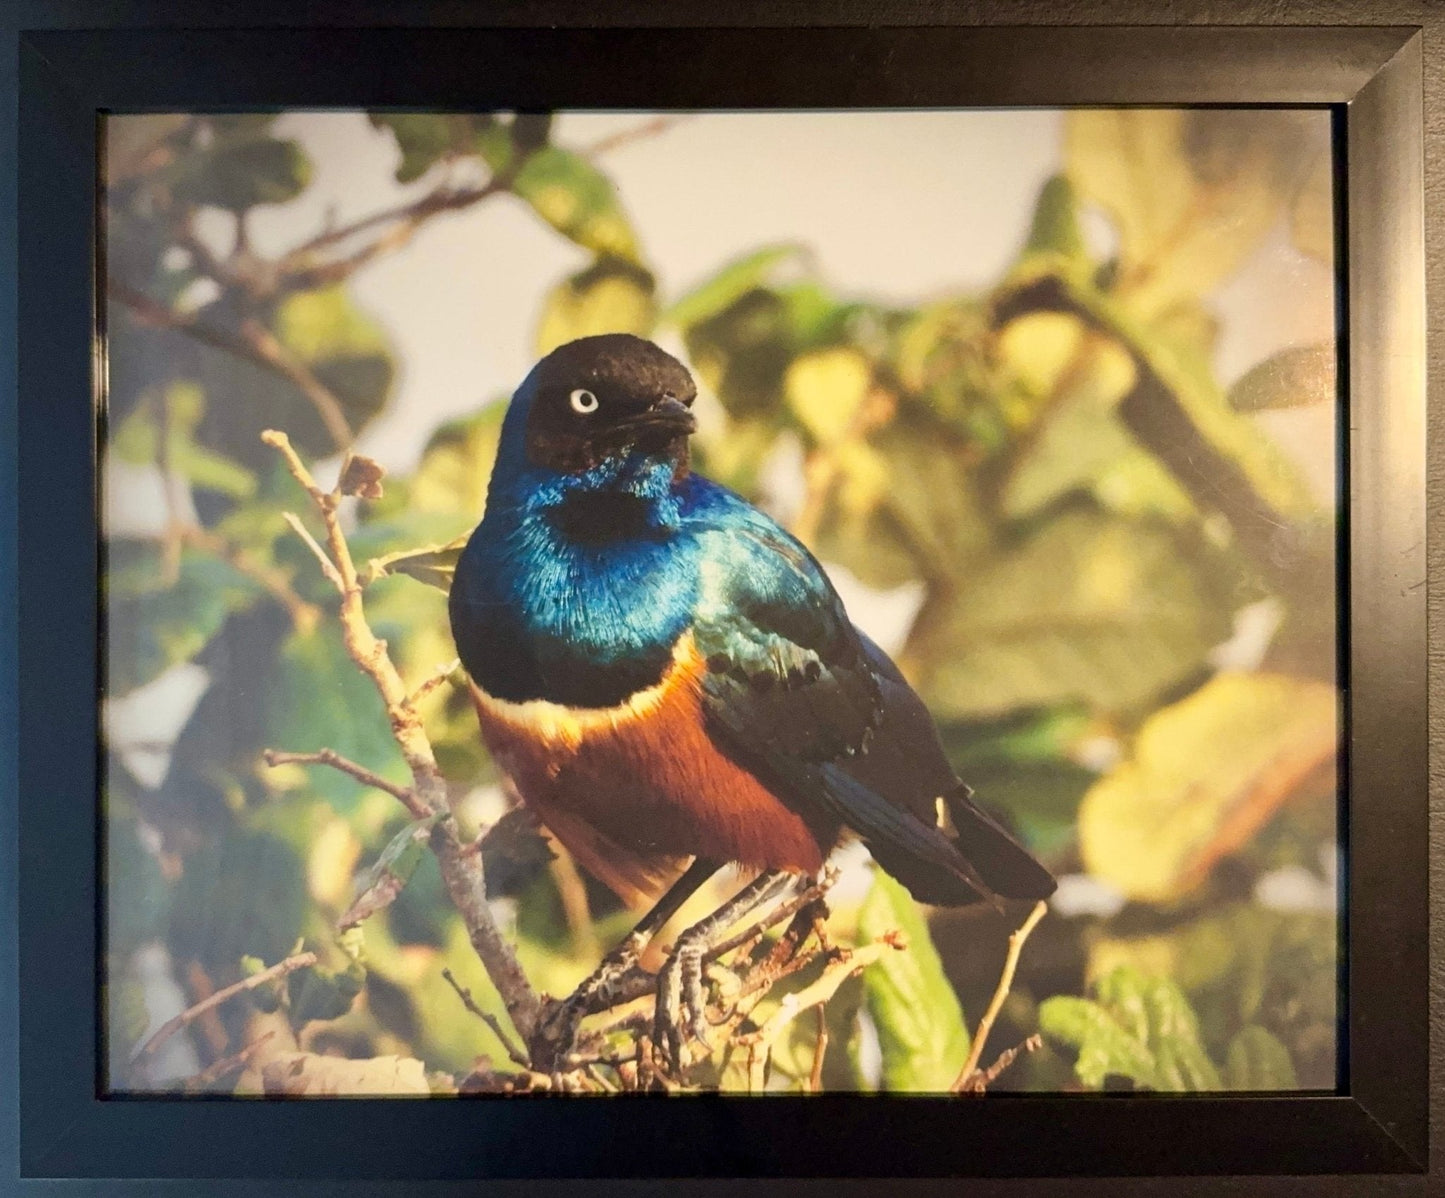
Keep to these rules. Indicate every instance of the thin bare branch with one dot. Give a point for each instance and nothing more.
(820, 1048)
(1016, 942)
(254, 342)
(328, 567)
(980, 1081)
(844, 965)
(281, 360)
(440, 675)
(461, 870)
(214, 1072)
(304, 614)
(329, 757)
(515, 1052)
(192, 1013)
(639, 132)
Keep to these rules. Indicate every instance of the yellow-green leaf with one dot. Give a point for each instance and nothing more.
(1302, 374)
(1191, 191)
(825, 389)
(1258, 1061)
(1136, 1026)
(434, 565)
(457, 465)
(1092, 608)
(577, 200)
(1205, 774)
(729, 284)
(610, 296)
(920, 1025)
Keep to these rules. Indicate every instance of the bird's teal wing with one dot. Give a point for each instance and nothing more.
(794, 692)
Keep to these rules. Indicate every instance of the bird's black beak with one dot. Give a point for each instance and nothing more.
(668, 417)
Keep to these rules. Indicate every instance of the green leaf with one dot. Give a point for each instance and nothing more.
(319, 993)
(825, 389)
(434, 565)
(1138, 1027)
(151, 626)
(1090, 608)
(425, 137)
(1191, 191)
(1055, 226)
(344, 347)
(456, 465)
(377, 888)
(137, 439)
(1242, 965)
(610, 296)
(1302, 374)
(1103, 1046)
(742, 352)
(243, 895)
(138, 897)
(1177, 411)
(320, 698)
(920, 1025)
(240, 172)
(730, 284)
(577, 200)
(1204, 775)
(1258, 1061)
(904, 507)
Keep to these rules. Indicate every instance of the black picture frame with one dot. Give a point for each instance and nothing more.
(1372, 80)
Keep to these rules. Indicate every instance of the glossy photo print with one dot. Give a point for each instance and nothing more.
(760, 602)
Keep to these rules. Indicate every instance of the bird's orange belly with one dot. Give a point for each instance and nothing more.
(630, 790)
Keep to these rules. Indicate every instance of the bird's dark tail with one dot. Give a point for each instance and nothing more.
(1004, 865)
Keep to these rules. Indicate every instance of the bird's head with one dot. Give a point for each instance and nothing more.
(601, 413)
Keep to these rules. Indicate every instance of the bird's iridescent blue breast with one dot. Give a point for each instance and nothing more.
(576, 590)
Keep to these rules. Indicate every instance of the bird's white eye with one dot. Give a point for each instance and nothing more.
(583, 401)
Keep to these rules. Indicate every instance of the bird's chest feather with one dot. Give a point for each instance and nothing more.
(541, 614)
(643, 779)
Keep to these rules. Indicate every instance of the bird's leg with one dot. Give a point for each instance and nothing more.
(596, 991)
(680, 1011)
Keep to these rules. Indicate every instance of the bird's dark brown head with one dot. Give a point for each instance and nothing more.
(602, 397)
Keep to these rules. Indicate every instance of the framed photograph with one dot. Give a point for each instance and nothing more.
(673, 622)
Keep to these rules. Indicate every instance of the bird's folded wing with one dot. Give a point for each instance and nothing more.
(792, 691)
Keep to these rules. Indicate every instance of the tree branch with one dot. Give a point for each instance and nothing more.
(517, 1054)
(275, 757)
(461, 870)
(985, 1025)
(255, 343)
(845, 964)
(192, 1013)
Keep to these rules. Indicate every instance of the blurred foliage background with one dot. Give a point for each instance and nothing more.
(1116, 579)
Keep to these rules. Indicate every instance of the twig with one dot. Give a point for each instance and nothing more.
(461, 870)
(328, 567)
(440, 675)
(978, 1082)
(213, 1073)
(275, 757)
(985, 1025)
(304, 614)
(192, 1013)
(820, 1047)
(289, 366)
(649, 128)
(572, 892)
(443, 199)
(518, 1056)
(255, 343)
(847, 962)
